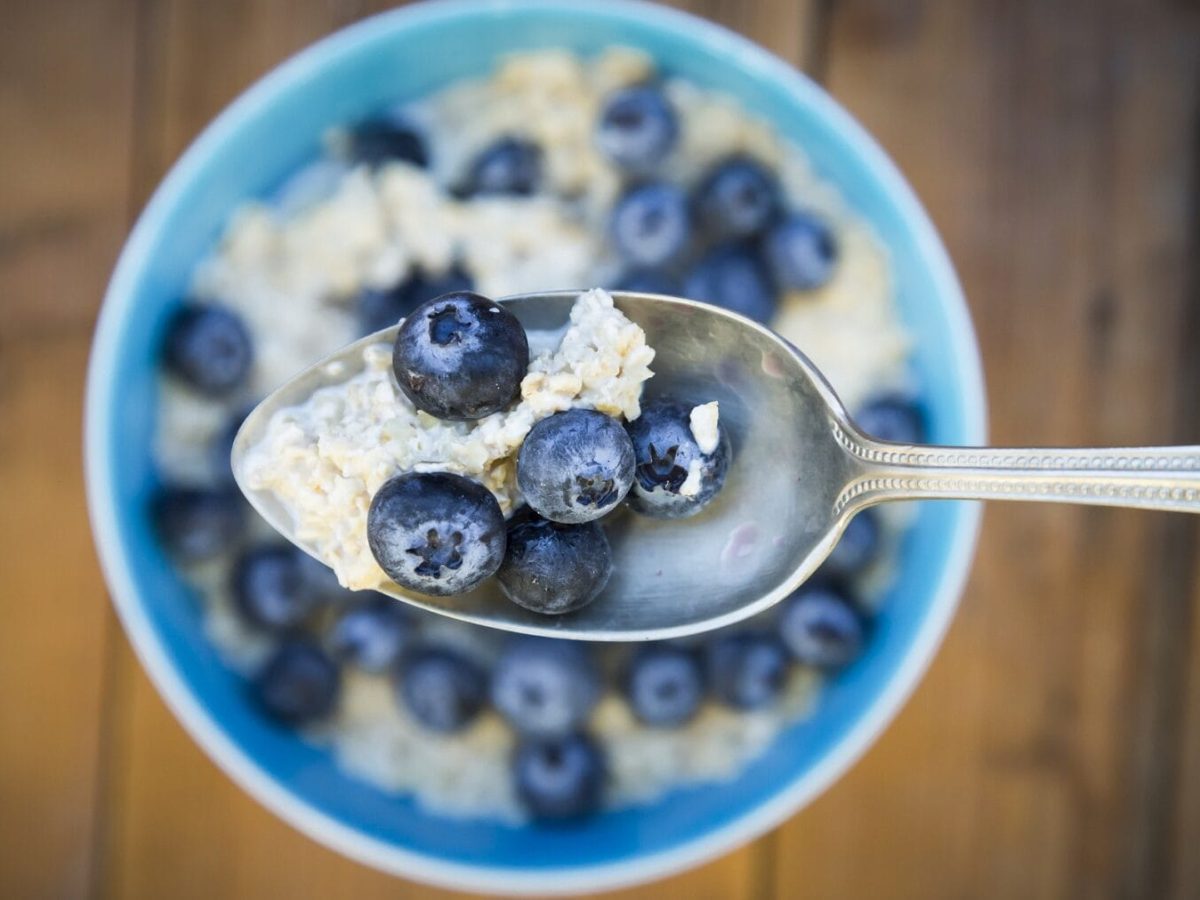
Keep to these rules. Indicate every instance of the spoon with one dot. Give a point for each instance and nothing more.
(801, 470)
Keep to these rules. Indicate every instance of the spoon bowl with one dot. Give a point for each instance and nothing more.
(800, 471)
(768, 529)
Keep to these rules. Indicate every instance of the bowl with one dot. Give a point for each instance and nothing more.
(268, 132)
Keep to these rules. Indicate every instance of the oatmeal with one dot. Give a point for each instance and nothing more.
(345, 238)
(327, 458)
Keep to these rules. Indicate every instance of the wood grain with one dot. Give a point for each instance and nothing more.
(66, 94)
(1054, 147)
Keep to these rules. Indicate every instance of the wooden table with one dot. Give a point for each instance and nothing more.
(1054, 748)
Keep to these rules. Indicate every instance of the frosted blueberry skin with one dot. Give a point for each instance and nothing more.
(209, 348)
(732, 276)
(559, 778)
(545, 687)
(738, 197)
(575, 466)
(461, 356)
(371, 632)
(821, 627)
(511, 166)
(664, 684)
(664, 450)
(650, 224)
(800, 252)
(298, 684)
(436, 532)
(746, 670)
(553, 568)
(638, 127)
(442, 689)
(270, 587)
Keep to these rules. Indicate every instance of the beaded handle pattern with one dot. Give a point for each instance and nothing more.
(1166, 478)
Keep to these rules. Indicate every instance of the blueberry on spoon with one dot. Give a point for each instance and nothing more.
(674, 475)
(575, 465)
(436, 532)
(554, 568)
(461, 356)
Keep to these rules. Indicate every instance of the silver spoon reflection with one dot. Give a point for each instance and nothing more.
(801, 470)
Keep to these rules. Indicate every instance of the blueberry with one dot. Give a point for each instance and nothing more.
(737, 198)
(649, 281)
(664, 684)
(461, 356)
(746, 670)
(371, 633)
(892, 418)
(673, 477)
(380, 308)
(436, 532)
(858, 547)
(269, 587)
(638, 127)
(800, 252)
(650, 224)
(552, 568)
(820, 627)
(196, 524)
(512, 165)
(441, 688)
(208, 347)
(386, 139)
(221, 448)
(298, 684)
(733, 277)
(575, 465)
(545, 687)
(561, 778)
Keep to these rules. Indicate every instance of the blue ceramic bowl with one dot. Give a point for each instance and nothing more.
(268, 132)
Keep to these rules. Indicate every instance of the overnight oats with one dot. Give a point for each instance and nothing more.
(554, 172)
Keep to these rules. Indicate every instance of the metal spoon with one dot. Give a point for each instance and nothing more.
(800, 472)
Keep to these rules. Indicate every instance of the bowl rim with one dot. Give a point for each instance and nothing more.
(253, 778)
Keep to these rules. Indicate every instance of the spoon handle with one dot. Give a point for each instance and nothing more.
(1166, 478)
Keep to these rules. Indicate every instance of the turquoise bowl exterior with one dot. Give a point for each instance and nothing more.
(269, 131)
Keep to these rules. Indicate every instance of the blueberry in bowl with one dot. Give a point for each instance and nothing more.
(441, 688)
(545, 687)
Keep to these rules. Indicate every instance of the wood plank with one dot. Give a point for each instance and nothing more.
(1053, 145)
(177, 826)
(66, 104)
